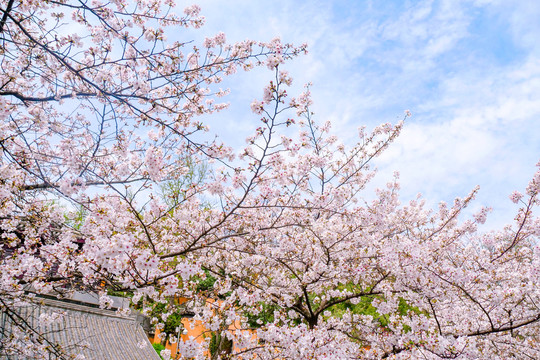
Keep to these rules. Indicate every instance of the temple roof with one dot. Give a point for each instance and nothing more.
(84, 329)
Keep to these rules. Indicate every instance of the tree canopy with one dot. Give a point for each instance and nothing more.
(107, 183)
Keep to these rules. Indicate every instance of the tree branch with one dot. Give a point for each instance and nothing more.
(6, 14)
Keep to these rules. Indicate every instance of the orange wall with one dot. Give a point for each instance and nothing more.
(195, 329)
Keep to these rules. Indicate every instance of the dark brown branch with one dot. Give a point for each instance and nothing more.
(6, 14)
(518, 232)
(47, 185)
(25, 99)
(435, 316)
(506, 328)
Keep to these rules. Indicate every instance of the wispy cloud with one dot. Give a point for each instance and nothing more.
(468, 69)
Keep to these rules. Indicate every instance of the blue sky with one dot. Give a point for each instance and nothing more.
(469, 71)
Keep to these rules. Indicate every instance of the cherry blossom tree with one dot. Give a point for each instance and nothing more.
(329, 274)
(99, 111)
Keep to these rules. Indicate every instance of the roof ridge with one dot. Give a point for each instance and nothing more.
(84, 308)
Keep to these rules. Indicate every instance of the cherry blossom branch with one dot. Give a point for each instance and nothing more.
(516, 238)
(6, 14)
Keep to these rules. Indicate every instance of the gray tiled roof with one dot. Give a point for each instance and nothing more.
(95, 333)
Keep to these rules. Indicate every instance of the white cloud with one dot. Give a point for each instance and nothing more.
(469, 71)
